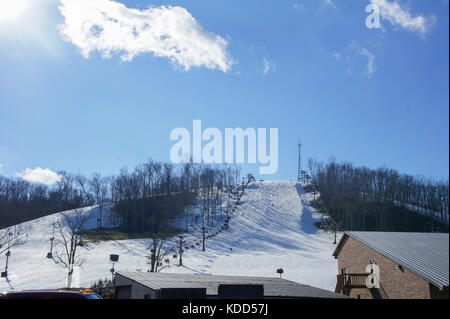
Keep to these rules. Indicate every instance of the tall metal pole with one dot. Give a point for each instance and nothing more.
(299, 162)
(203, 231)
(181, 250)
(112, 270)
(8, 253)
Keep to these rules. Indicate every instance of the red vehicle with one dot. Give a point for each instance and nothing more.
(50, 294)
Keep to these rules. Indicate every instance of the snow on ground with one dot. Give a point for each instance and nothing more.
(272, 227)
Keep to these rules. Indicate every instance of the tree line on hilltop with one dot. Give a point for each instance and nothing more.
(360, 198)
(144, 199)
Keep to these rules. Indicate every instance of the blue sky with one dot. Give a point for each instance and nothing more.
(310, 68)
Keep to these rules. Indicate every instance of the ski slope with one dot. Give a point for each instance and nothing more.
(272, 227)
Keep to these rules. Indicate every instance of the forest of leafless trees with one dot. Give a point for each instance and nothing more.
(145, 198)
(21, 200)
(154, 193)
(360, 198)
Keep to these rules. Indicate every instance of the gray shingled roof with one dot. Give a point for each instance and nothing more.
(425, 254)
(273, 287)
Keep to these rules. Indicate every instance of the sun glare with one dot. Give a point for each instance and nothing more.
(12, 9)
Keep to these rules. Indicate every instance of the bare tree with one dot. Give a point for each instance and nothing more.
(99, 187)
(158, 258)
(69, 229)
(13, 236)
(81, 183)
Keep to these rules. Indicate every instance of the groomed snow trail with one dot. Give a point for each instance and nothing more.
(273, 227)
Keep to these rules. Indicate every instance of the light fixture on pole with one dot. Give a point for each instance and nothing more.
(114, 259)
(8, 253)
(50, 254)
(280, 271)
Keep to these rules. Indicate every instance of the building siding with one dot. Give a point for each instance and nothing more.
(398, 284)
(138, 291)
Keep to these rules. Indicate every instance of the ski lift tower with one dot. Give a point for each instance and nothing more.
(299, 171)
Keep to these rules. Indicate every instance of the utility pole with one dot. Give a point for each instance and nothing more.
(228, 217)
(227, 223)
(181, 250)
(299, 171)
(203, 232)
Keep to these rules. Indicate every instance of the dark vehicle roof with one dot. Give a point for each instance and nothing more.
(49, 294)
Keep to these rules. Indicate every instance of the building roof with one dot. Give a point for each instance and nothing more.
(273, 287)
(425, 254)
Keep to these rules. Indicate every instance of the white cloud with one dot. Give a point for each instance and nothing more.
(371, 68)
(359, 57)
(397, 16)
(1, 166)
(357, 49)
(327, 4)
(324, 4)
(110, 27)
(268, 66)
(40, 175)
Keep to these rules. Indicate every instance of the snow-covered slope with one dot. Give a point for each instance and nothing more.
(273, 227)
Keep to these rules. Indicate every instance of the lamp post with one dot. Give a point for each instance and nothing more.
(280, 271)
(113, 259)
(50, 254)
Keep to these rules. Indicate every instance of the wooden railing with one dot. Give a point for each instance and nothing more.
(347, 282)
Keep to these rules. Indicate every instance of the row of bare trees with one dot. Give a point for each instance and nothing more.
(152, 194)
(21, 201)
(381, 199)
(161, 187)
